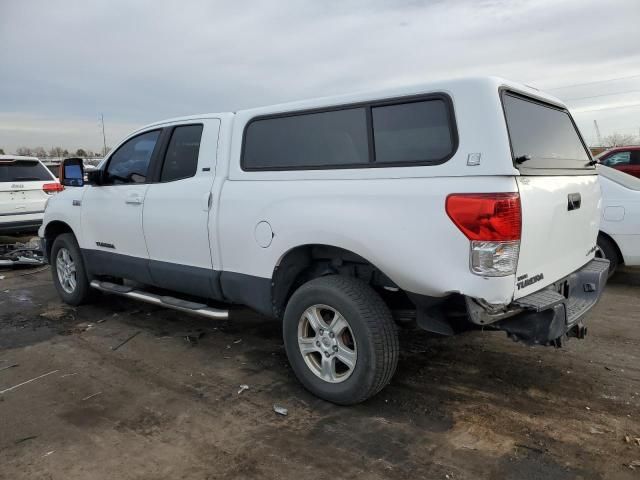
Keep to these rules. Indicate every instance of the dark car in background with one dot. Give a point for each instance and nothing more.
(625, 159)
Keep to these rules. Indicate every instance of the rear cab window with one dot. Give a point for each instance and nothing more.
(390, 133)
(181, 157)
(544, 138)
(23, 171)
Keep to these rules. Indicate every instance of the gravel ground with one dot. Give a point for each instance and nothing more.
(166, 403)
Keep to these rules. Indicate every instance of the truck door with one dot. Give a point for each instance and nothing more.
(176, 210)
(112, 238)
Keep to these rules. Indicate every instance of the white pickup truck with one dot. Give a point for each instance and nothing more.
(460, 204)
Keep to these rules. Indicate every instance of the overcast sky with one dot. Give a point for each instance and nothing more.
(63, 62)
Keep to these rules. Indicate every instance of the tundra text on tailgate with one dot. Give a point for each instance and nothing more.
(457, 205)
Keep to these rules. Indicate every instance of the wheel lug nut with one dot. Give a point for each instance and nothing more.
(321, 332)
(326, 354)
(317, 344)
(335, 348)
(331, 334)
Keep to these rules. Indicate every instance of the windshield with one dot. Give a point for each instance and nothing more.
(542, 136)
(23, 171)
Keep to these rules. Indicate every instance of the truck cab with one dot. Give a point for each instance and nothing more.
(346, 217)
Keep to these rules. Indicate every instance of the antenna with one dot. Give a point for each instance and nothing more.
(104, 138)
(595, 124)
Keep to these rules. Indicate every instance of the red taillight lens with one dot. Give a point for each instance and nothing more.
(52, 187)
(486, 216)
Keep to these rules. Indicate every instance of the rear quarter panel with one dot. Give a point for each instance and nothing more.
(399, 225)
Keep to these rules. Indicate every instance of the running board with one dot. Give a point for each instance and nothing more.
(163, 301)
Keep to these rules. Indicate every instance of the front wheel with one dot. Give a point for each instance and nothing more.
(67, 270)
(341, 339)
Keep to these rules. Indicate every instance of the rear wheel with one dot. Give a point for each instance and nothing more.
(607, 249)
(67, 270)
(340, 338)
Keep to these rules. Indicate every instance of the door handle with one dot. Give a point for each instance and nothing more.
(133, 199)
(207, 201)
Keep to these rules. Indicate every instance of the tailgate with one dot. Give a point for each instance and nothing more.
(560, 223)
(21, 186)
(21, 198)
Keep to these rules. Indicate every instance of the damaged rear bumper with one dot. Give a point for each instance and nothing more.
(549, 316)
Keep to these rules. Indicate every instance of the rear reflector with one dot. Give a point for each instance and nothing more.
(486, 216)
(52, 188)
(494, 259)
(493, 223)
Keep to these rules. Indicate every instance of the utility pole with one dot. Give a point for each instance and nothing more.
(595, 124)
(104, 138)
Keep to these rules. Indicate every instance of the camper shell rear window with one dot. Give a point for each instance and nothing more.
(543, 137)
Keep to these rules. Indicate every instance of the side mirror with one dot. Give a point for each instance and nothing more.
(72, 172)
(93, 176)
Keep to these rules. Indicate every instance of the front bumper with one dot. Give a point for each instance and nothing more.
(20, 226)
(549, 316)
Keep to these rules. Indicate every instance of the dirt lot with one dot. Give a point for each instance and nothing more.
(166, 404)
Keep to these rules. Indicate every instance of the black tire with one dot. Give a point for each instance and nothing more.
(82, 291)
(374, 332)
(608, 250)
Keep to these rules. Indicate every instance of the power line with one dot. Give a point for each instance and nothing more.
(629, 105)
(598, 96)
(594, 83)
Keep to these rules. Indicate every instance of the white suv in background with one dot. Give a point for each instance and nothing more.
(25, 186)
(619, 237)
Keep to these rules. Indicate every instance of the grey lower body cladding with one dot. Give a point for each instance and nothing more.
(548, 316)
(222, 286)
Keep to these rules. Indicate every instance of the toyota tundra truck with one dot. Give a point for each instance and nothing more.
(449, 206)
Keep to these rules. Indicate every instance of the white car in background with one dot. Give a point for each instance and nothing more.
(619, 238)
(25, 186)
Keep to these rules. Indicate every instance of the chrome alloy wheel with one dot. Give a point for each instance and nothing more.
(327, 343)
(66, 269)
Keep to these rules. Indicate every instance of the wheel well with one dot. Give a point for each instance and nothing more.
(307, 262)
(615, 245)
(52, 230)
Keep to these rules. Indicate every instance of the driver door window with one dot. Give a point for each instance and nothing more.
(130, 163)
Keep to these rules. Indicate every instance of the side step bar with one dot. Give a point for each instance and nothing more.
(168, 302)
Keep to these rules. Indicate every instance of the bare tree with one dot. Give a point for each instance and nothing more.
(2, 152)
(81, 153)
(618, 140)
(56, 152)
(39, 152)
(24, 151)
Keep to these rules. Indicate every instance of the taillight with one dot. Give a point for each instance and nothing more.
(493, 224)
(52, 188)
